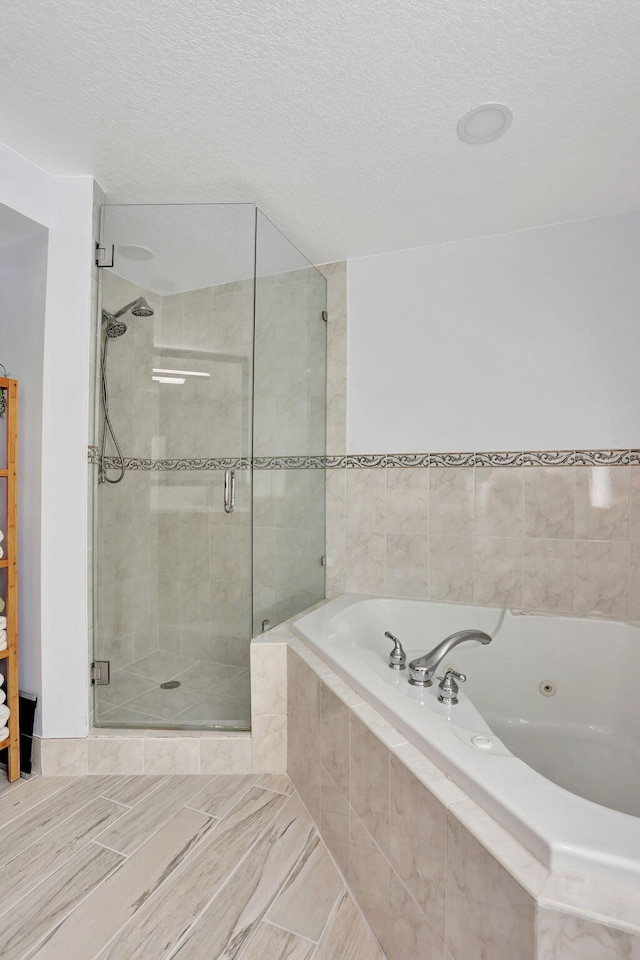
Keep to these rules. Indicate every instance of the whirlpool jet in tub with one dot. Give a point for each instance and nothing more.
(546, 734)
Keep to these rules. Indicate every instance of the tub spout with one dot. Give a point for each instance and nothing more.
(422, 669)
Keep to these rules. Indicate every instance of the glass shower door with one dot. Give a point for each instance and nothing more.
(289, 430)
(173, 573)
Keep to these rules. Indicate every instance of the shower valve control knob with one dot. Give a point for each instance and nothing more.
(449, 688)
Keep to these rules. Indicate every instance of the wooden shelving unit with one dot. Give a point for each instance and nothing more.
(9, 657)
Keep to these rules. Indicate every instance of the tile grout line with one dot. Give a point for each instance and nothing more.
(300, 936)
(145, 796)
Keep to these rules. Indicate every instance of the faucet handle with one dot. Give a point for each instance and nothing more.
(449, 688)
(397, 657)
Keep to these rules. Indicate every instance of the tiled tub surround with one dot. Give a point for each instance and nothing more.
(562, 538)
(436, 877)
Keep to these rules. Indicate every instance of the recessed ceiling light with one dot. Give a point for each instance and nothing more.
(133, 251)
(487, 122)
(169, 379)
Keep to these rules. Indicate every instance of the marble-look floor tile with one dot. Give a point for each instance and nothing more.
(232, 917)
(42, 858)
(95, 921)
(27, 794)
(307, 899)
(53, 899)
(141, 821)
(159, 925)
(347, 936)
(38, 821)
(222, 793)
(275, 944)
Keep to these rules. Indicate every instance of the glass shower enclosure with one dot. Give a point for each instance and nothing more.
(207, 457)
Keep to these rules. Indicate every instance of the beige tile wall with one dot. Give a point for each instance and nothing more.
(563, 539)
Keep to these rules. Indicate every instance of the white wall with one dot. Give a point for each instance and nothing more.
(63, 205)
(23, 275)
(525, 341)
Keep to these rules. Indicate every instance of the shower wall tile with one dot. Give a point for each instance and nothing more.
(499, 501)
(366, 500)
(602, 503)
(634, 505)
(407, 565)
(548, 574)
(451, 569)
(634, 582)
(407, 500)
(385, 525)
(549, 502)
(498, 571)
(599, 588)
(366, 556)
(451, 501)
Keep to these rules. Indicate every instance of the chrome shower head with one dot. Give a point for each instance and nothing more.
(141, 308)
(115, 328)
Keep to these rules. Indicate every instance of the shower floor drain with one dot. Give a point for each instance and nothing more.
(170, 685)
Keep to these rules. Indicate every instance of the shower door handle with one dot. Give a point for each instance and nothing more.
(229, 491)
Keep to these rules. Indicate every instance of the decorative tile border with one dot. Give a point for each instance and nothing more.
(507, 458)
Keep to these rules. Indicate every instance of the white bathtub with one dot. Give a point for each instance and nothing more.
(586, 736)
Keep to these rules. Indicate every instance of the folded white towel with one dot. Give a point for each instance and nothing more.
(3, 623)
(1, 553)
(3, 634)
(3, 645)
(3, 697)
(4, 733)
(1, 536)
(4, 713)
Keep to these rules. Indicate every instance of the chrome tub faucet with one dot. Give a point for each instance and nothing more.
(422, 669)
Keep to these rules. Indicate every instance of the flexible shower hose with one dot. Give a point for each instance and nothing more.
(107, 428)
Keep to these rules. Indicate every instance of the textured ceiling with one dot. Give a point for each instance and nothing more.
(338, 119)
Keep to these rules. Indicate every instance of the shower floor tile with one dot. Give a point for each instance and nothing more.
(165, 704)
(208, 677)
(214, 710)
(209, 694)
(161, 666)
(192, 868)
